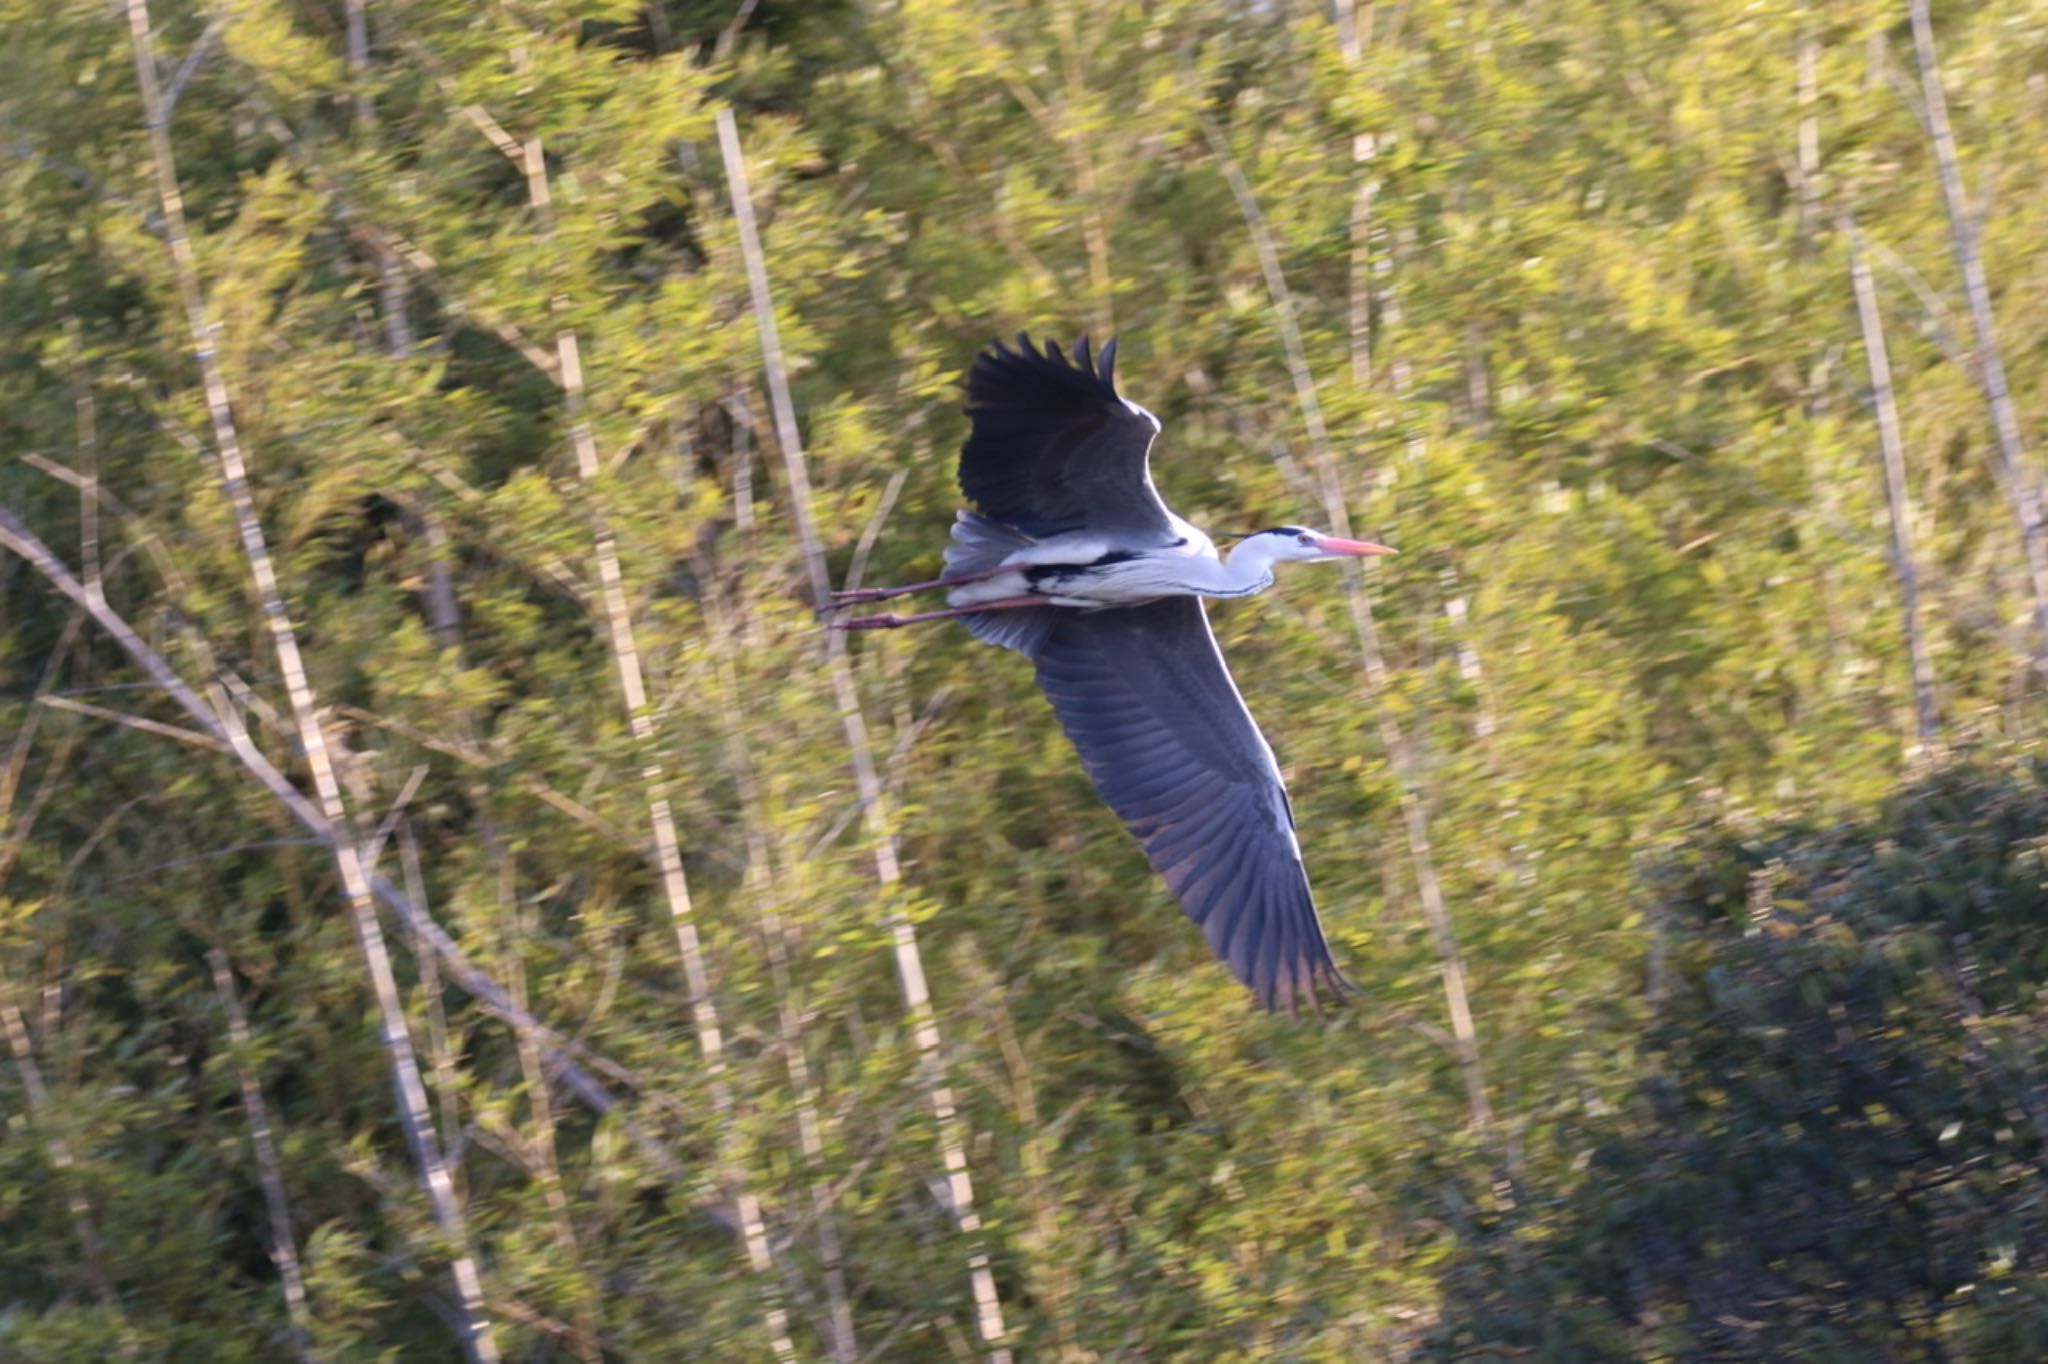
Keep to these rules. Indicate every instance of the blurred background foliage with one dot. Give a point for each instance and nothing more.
(1555, 296)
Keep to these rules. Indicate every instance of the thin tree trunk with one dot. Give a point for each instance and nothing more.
(15, 829)
(221, 723)
(668, 856)
(1414, 811)
(2019, 483)
(909, 961)
(1893, 451)
(284, 1251)
(473, 1324)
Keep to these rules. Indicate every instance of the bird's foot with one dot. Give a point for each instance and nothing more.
(849, 596)
(883, 622)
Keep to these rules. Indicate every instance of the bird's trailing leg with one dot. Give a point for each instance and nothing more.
(849, 596)
(891, 622)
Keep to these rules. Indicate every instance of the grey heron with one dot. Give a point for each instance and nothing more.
(1072, 559)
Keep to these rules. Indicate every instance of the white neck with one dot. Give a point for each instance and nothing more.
(1248, 570)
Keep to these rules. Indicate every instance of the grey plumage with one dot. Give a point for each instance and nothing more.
(1141, 690)
(1143, 694)
(980, 544)
(1054, 449)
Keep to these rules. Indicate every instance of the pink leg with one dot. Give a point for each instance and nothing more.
(883, 593)
(891, 622)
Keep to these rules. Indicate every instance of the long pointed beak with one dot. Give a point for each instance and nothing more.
(1330, 544)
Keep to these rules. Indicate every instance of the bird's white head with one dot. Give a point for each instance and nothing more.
(1298, 544)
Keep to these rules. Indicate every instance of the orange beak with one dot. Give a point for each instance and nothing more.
(1330, 544)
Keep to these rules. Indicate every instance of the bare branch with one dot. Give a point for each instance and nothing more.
(24, 738)
(873, 530)
(137, 722)
(374, 849)
(187, 67)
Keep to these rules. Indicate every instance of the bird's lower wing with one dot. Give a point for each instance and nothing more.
(1143, 694)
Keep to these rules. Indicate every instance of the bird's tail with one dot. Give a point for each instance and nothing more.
(980, 544)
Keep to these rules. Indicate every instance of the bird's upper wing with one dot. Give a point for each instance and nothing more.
(1143, 693)
(1054, 449)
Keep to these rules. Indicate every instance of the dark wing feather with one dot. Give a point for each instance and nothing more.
(1052, 447)
(1143, 693)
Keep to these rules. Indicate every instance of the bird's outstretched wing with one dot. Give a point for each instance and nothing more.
(1143, 693)
(1053, 449)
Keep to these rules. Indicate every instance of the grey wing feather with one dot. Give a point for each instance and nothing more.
(1143, 693)
(980, 544)
(1052, 448)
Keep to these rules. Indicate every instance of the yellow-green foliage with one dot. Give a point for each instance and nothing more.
(1577, 319)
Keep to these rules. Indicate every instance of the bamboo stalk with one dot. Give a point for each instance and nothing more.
(1054, 1281)
(544, 1155)
(759, 880)
(224, 723)
(1087, 184)
(445, 624)
(1892, 450)
(1351, 39)
(479, 1342)
(1400, 752)
(440, 1052)
(391, 289)
(1808, 163)
(443, 616)
(528, 155)
(284, 1252)
(910, 972)
(2020, 487)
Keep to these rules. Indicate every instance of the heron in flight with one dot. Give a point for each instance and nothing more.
(1072, 560)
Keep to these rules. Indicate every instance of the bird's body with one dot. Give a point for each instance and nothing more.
(1090, 571)
(1073, 560)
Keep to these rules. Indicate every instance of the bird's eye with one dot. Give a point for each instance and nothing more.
(1306, 539)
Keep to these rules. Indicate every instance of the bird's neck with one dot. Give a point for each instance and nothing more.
(1247, 570)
